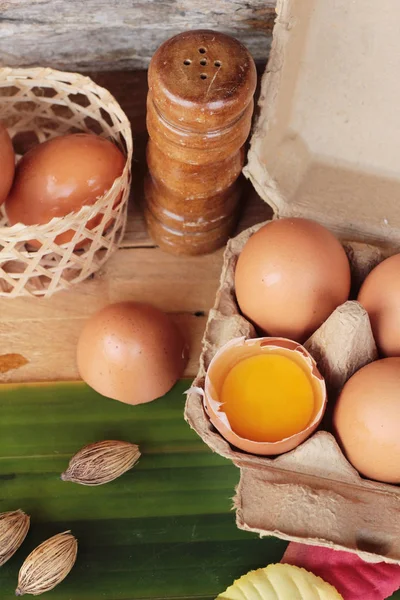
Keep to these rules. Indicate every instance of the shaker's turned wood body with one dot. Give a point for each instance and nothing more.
(199, 110)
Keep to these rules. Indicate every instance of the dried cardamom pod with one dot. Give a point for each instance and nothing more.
(13, 529)
(47, 565)
(101, 462)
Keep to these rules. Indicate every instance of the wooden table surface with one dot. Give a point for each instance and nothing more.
(42, 333)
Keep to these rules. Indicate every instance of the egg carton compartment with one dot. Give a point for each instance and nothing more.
(36, 105)
(323, 148)
(312, 493)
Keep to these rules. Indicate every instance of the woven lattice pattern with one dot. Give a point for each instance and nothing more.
(36, 105)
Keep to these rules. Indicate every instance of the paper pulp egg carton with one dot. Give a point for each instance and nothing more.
(325, 147)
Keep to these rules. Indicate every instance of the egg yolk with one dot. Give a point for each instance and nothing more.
(267, 398)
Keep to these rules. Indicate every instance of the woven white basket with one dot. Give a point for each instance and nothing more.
(36, 105)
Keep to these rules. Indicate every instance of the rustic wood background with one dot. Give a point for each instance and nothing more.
(120, 34)
(39, 336)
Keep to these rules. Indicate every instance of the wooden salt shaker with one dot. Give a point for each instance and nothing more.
(199, 110)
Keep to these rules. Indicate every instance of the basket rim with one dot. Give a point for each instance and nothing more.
(41, 75)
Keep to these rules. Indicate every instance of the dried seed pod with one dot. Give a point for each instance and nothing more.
(14, 527)
(47, 565)
(101, 462)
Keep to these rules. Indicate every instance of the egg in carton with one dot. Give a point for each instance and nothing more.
(323, 148)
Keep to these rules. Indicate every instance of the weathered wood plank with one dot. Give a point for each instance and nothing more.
(112, 34)
(45, 332)
(54, 358)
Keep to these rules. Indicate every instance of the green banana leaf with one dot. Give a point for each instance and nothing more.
(165, 529)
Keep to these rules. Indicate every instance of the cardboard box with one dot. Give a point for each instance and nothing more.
(325, 147)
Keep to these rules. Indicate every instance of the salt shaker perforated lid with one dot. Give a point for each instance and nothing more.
(202, 80)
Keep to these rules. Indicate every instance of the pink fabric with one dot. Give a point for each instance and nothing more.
(351, 576)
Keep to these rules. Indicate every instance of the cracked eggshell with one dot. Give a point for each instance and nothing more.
(235, 351)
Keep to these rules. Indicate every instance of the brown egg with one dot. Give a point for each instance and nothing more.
(60, 176)
(367, 420)
(290, 276)
(7, 163)
(131, 352)
(380, 296)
